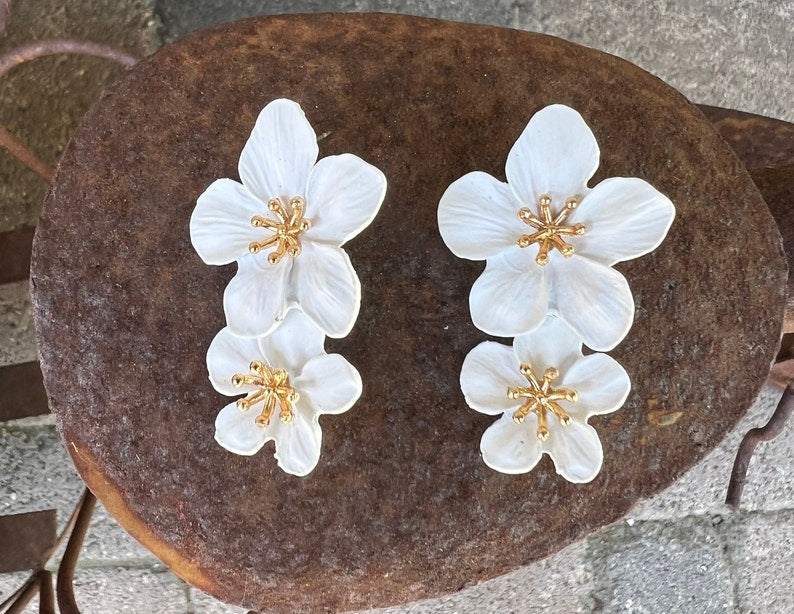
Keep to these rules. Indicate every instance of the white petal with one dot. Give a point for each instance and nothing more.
(327, 287)
(228, 355)
(478, 217)
(509, 447)
(601, 383)
(343, 196)
(297, 443)
(330, 384)
(254, 300)
(575, 450)
(625, 218)
(237, 431)
(294, 343)
(556, 154)
(552, 344)
(593, 299)
(510, 297)
(280, 153)
(220, 226)
(488, 371)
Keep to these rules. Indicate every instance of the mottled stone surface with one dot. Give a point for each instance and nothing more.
(401, 506)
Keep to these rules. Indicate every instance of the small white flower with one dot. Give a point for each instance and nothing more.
(289, 381)
(540, 415)
(285, 225)
(549, 240)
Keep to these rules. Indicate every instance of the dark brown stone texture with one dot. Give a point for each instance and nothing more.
(401, 506)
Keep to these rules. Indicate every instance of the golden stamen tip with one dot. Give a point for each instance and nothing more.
(573, 397)
(273, 204)
(262, 421)
(296, 201)
(580, 229)
(304, 225)
(542, 259)
(525, 369)
(544, 200)
(518, 418)
(512, 394)
(237, 381)
(242, 405)
(552, 373)
(566, 421)
(571, 203)
(295, 251)
(568, 250)
(256, 366)
(294, 397)
(543, 434)
(254, 248)
(524, 213)
(523, 241)
(286, 418)
(273, 258)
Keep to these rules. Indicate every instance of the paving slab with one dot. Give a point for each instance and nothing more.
(138, 591)
(17, 336)
(659, 567)
(760, 546)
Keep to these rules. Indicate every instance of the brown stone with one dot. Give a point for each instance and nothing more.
(401, 506)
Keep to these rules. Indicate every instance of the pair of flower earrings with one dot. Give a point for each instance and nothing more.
(549, 243)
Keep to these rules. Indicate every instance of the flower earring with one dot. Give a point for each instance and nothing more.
(550, 242)
(285, 226)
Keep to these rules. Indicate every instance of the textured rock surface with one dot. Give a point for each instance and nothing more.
(408, 508)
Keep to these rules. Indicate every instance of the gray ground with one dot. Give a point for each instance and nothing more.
(679, 552)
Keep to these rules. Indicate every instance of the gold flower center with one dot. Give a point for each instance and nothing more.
(541, 399)
(550, 229)
(287, 229)
(274, 389)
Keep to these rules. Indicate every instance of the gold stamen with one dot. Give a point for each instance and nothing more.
(550, 229)
(286, 229)
(541, 398)
(273, 388)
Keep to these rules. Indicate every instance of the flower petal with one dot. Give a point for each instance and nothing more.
(330, 384)
(575, 450)
(488, 371)
(552, 344)
(327, 287)
(593, 299)
(601, 384)
(625, 218)
(478, 217)
(343, 196)
(510, 297)
(280, 153)
(556, 154)
(228, 355)
(509, 447)
(294, 343)
(297, 443)
(254, 300)
(237, 431)
(220, 226)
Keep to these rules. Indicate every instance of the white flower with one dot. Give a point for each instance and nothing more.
(540, 415)
(289, 381)
(549, 240)
(285, 225)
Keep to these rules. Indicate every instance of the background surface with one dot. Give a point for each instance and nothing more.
(681, 551)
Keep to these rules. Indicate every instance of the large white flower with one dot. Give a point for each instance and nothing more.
(549, 240)
(289, 382)
(539, 415)
(285, 225)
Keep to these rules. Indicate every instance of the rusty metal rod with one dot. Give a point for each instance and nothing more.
(64, 589)
(46, 596)
(23, 596)
(24, 155)
(754, 436)
(55, 46)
